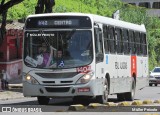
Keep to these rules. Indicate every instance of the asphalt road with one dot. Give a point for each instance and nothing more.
(152, 93)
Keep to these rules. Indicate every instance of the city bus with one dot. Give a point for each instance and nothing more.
(83, 56)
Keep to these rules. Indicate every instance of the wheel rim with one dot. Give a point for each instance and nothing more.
(133, 90)
(105, 93)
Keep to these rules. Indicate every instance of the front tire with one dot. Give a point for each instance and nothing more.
(43, 100)
(150, 84)
(103, 98)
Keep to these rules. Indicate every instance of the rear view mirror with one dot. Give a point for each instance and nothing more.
(150, 72)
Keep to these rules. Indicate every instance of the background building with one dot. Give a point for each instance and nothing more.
(11, 50)
(152, 5)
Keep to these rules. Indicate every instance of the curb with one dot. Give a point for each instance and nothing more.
(111, 104)
(152, 114)
(124, 103)
(157, 101)
(137, 103)
(147, 102)
(95, 105)
(77, 107)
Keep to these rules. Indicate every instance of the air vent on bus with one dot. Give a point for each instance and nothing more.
(48, 81)
(64, 89)
(57, 75)
(66, 81)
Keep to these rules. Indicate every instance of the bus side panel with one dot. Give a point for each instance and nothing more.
(110, 60)
(142, 70)
(139, 66)
(123, 79)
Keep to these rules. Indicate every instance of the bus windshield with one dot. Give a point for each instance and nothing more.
(58, 49)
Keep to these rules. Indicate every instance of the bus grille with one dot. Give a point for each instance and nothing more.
(64, 89)
(57, 75)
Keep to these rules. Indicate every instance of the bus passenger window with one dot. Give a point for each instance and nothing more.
(106, 41)
(126, 42)
(144, 44)
(137, 37)
(112, 42)
(119, 41)
(132, 42)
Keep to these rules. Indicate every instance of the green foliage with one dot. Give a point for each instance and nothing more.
(22, 10)
(133, 14)
(101, 7)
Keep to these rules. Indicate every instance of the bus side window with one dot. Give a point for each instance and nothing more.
(137, 37)
(106, 41)
(132, 42)
(98, 45)
(126, 41)
(112, 42)
(144, 44)
(119, 40)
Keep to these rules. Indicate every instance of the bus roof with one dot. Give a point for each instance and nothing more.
(100, 19)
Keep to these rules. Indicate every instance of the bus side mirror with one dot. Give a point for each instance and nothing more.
(99, 57)
(150, 72)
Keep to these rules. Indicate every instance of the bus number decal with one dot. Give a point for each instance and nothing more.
(120, 65)
(84, 69)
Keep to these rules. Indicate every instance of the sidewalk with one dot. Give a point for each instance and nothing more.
(14, 91)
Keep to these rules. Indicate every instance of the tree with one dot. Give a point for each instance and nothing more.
(4, 6)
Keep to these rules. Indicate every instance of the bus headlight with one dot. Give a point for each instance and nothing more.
(30, 79)
(85, 79)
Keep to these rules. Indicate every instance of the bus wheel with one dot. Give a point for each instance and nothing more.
(155, 84)
(103, 98)
(43, 100)
(150, 84)
(129, 96)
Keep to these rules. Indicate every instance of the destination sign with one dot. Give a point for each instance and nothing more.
(59, 22)
(69, 22)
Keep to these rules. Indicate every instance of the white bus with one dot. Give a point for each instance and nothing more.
(83, 56)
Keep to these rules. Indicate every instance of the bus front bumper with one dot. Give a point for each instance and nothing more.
(30, 90)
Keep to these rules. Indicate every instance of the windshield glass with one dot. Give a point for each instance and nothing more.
(58, 49)
(156, 70)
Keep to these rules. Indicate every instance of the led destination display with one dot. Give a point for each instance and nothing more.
(59, 22)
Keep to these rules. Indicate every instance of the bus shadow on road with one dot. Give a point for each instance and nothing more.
(60, 102)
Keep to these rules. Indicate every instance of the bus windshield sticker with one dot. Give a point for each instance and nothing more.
(106, 59)
(31, 61)
(61, 64)
(84, 69)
